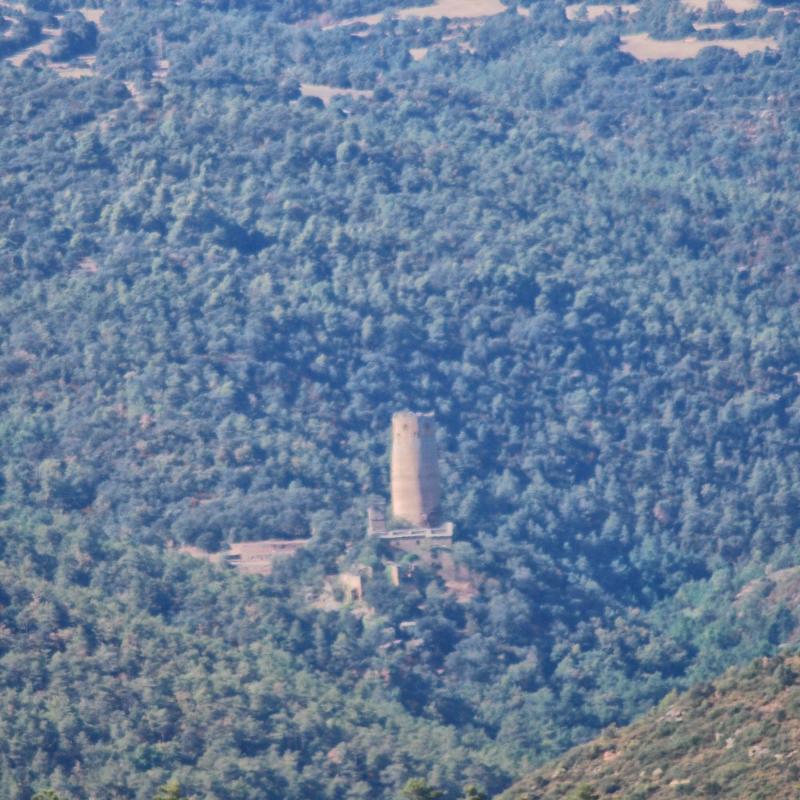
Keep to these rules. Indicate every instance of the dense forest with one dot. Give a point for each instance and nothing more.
(217, 285)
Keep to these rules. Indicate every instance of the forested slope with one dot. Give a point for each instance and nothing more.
(735, 738)
(214, 292)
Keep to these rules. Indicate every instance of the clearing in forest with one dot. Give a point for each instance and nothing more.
(595, 11)
(80, 67)
(453, 9)
(249, 558)
(94, 15)
(42, 47)
(739, 6)
(45, 46)
(644, 48)
(325, 93)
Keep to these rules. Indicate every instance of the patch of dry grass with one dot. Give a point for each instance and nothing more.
(81, 67)
(42, 47)
(325, 93)
(94, 15)
(454, 9)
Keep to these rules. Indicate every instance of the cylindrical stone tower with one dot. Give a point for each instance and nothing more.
(415, 471)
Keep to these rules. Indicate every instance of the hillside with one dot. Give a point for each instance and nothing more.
(737, 737)
(237, 235)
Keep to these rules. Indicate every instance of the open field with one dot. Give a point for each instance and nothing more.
(81, 67)
(45, 46)
(469, 11)
(595, 11)
(738, 6)
(94, 15)
(325, 93)
(249, 558)
(644, 48)
(455, 9)
(779, 588)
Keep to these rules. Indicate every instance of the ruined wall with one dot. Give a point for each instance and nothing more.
(415, 468)
(258, 558)
(251, 558)
(376, 521)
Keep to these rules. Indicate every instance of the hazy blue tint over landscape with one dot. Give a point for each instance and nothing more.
(237, 236)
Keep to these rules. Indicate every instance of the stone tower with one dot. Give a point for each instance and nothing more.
(415, 471)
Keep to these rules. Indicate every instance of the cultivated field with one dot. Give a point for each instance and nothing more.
(453, 9)
(644, 48)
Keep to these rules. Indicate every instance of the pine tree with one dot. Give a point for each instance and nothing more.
(419, 789)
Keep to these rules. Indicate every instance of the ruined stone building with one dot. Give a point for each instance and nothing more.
(418, 532)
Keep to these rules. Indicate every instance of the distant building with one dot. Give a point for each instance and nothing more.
(416, 492)
(416, 501)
